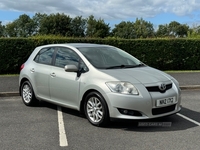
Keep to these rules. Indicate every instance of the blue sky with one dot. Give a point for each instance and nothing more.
(112, 11)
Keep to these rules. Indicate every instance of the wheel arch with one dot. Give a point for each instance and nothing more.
(84, 96)
(21, 82)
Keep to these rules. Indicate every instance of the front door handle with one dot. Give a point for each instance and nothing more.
(53, 75)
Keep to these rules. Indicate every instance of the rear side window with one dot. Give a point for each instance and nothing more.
(45, 56)
(65, 56)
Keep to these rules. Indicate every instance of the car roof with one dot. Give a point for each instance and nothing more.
(85, 45)
(77, 45)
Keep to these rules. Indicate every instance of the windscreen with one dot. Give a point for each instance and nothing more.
(109, 57)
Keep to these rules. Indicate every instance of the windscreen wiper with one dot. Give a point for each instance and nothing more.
(125, 66)
(140, 65)
(116, 67)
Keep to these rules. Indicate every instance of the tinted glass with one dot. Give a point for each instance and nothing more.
(105, 57)
(65, 56)
(45, 56)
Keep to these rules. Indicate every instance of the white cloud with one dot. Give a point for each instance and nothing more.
(5, 22)
(106, 9)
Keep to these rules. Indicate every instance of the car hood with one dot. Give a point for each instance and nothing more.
(144, 75)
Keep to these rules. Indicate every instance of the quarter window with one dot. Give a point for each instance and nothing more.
(45, 56)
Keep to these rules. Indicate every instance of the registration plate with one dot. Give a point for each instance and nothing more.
(166, 101)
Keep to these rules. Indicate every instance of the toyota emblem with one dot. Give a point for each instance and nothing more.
(162, 87)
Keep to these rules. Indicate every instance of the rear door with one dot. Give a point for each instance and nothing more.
(41, 72)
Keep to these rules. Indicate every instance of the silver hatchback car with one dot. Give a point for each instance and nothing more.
(102, 81)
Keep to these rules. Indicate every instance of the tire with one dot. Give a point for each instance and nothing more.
(96, 109)
(27, 93)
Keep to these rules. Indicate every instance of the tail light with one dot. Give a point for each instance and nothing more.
(22, 66)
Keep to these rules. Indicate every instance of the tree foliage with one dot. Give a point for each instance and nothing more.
(143, 29)
(130, 30)
(2, 30)
(78, 26)
(64, 25)
(173, 29)
(124, 30)
(57, 24)
(21, 27)
(11, 29)
(97, 28)
(194, 32)
(163, 31)
(37, 19)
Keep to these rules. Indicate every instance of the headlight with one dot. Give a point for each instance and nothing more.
(122, 87)
(176, 83)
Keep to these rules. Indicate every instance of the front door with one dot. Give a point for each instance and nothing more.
(64, 86)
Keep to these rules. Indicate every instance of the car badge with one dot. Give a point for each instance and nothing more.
(162, 87)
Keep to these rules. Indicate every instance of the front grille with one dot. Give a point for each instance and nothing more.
(162, 110)
(156, 88)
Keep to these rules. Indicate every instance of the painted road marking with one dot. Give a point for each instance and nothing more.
(191, 120)
(62, 133)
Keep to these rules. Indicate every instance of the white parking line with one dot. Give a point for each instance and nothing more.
(62, 133)
(191, 120)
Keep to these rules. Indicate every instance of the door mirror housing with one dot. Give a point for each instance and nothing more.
(71, 68)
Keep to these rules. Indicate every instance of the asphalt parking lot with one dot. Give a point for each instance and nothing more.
(50, 127)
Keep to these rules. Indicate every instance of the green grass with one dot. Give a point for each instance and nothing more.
(8, 75)
(181, 71)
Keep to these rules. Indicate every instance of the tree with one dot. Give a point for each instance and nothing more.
(21, 27)
(173, 28)
(194, 32)
(57, 24)
(183, 30)
(143, 29)
(78, 26)
(163, 31)
(25, 25)
(11, 29)
(138, 29)
(2, 30)
(124, 30)
(178, 30)
(37, 19)
(97, 28)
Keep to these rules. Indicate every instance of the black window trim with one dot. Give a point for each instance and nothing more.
(54, 56)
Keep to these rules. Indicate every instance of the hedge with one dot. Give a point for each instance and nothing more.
(164, 54)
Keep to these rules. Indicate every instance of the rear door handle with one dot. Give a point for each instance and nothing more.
(32, 70)
(53, 75)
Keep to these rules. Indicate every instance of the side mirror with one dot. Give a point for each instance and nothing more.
(71, 68)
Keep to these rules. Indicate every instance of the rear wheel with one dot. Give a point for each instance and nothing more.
(96, 109)
(27, 93)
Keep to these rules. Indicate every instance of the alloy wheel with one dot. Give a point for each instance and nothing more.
(27, 93)
(95, 109)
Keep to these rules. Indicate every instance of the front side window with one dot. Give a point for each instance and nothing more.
(45, 56)
(65, 56)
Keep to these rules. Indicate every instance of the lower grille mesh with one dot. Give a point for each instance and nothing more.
(162, 110)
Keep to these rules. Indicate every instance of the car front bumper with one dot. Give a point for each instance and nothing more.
(142, 106)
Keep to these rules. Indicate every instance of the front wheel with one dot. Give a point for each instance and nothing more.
(27, 94)
(96, 109)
